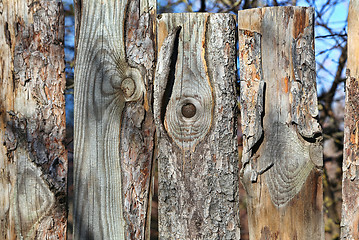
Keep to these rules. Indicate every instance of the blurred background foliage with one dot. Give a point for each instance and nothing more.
(331, 58)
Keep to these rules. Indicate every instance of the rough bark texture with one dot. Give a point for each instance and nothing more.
(33, 160)
(350, 209)
(195, 115)
(282, 142)
(114, 128)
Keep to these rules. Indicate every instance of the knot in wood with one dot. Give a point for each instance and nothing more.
(128, 87)
(188, 110)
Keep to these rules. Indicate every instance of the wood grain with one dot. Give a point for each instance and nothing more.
(282, 142)
(350, 214)
(33, 160)
(114, 127)
(197, 146)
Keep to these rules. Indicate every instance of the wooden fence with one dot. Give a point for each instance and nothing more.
(162, 88)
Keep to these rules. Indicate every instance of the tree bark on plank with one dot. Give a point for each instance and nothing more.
(33, 159)
(114, 128)
(350, 209)
(195, 114)
(282, 140)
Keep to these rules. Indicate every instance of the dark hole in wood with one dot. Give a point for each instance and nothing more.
(171, 77)
(188, 110)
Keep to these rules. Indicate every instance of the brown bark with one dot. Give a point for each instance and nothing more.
(282, 142)
(195, 115)
(33, 160)
(350, 212)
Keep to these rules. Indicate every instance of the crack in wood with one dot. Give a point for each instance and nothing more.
(164, 77)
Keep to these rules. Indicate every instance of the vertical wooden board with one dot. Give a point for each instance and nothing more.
(350, 213)
(114, 129)
(33, 159)
(195, 114)
(282, 141)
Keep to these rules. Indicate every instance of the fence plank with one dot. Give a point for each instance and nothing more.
(350, 208)
(114, 127)
(282, 142)
(33, 159)
(195, 115)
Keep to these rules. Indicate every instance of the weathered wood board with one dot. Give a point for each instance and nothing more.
(114, 128)
(282, 141)
(195, 113)
(33, 159)
(350, 209)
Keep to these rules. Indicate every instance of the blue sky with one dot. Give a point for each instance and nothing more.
(326, 53)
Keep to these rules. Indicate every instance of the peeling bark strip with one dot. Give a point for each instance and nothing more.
(195, 115)
(350, 209)
(114, 127)
(33, 160)
(282, 148)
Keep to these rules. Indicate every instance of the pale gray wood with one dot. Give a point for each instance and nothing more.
(350, 214)
(114, 127)
(195, 114)
(33, 159)
(282, 142)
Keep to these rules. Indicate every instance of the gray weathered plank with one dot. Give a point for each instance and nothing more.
(33, 159)
(350, 209)
(195, 114)
(114, 129)
(282, 142)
